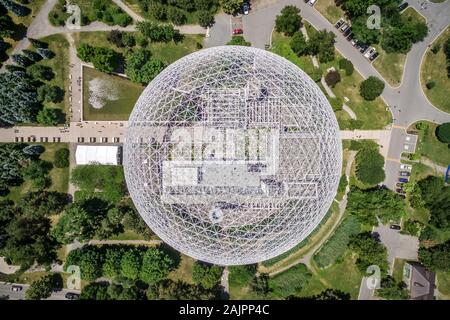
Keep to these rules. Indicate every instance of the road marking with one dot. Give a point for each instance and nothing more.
(393, 160)
(398, 127)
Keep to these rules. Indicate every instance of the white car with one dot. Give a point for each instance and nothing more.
(369, 52)
(405, 167)
(312, 2)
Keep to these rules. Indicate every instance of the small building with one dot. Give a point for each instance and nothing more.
(108, 155)
(420, 281)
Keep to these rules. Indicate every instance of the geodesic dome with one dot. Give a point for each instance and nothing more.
(232, 155)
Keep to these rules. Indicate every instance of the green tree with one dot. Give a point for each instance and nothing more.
(369, 166)
(206, 275)
(436, 258)
(89, 259)
(371, 88)
(48, 117)
(178, 290)
(298, 44)
(37, 169)
(61, 159)
(238, 41)
(231, 6)
(392, 290)
(347, 65)
(321, 44)
(289, 21)
(370, 252)
(205, 18)
(141, 68)
(42, 288)
(131, 264)
(443, 132)
(368, 205)
(176, 16)
(113, 262)
(363, 33)
(49, 93)
(156, 265)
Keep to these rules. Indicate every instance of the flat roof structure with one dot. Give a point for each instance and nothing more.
(108, 155)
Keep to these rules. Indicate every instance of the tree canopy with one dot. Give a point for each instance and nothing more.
(289, 21)
(371, 88)
(370, 252)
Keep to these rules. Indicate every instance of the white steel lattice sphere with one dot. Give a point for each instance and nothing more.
(232, 155)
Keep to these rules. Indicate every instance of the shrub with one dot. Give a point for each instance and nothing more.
(48, 117)
(346, 65)
(336, 103)
(332, 78)
(316, 74)
(443, 132)
(436, 48)
(371, 88)
(298, 44)
(62, 158)
(430, 85)
(238, 41)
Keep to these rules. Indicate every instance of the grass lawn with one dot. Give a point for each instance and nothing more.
(281, 46)
(430, 147)
(60, 66)
(87, 10)
(343, 276)
(434, 68)
(127, 235)
(443, 279)
(397, 273)
(390, 65)
(184, 270)
(59, 176)
(118, 108)
(329, 10)
(168, 52)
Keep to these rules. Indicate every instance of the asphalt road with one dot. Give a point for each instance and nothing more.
(5, 291)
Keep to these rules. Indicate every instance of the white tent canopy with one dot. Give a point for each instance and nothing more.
(97, 154)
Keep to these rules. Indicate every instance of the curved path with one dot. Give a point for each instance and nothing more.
(407, 103)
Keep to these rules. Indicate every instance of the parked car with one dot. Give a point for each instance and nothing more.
(374, 56)
(312, 2)
(339, 23)
(353, 42)
(404, 180)
(369, 52)
(364, 48)
(347, 32)
(72, 296)
(402, 196)
(395, 227)
(238, 31)
(405, 167)
(405, 173)
(401, 191)
(245, 7)
(344, 27)
(350, 36)
(403, 6)
(399, 184)
(16, 288)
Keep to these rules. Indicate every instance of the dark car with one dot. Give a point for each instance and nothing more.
(401, 191)
(374, 56)
(364, 48)
(16, 288)
(404, 180)
(403, 6)
(339, 23)
(72, 296)
(395, 227)
(405, 173)
(399, 185)
(350, 36)
(245, 7)
(347, 32)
